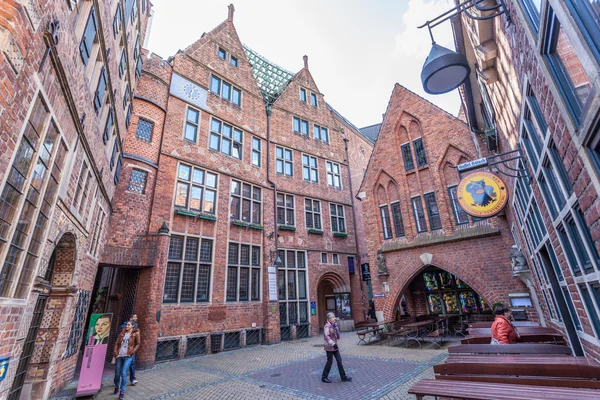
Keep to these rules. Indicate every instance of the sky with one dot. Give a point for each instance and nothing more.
(357, 49)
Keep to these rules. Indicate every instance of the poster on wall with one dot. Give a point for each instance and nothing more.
(96, 345)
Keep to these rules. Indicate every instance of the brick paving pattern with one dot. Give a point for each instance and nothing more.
(286, 371)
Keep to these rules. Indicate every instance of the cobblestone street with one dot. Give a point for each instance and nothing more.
(290, 370)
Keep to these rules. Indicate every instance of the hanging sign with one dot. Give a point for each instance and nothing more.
(464, 167)
(482, 194)
(3, 367)
(92, 366)
(365, 272)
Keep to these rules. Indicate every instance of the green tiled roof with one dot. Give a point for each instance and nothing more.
(271, 78)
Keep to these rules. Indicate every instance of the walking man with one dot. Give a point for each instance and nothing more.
(331, 334)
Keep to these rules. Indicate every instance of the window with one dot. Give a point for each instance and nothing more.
(309, 168)
(233, 61)
(191, 125)
(460, 216)
(592, 311)
(335, 258)
(196, 189)
(283, 161)
(302, 95)
(300, 126)
(222, 53)
(97, 232)
(385, 222)
(432, 209)
(323, 258)
(532, 9)
(123, 64)
(89, 37)
(113, 157)
(243, 272)
(100, 90)
(334, 177)
(126, 97)
(82, 181)
(587, 15)
(312, 211)
(338, 219)
(144, 130)
(137, 181)
(136, 47)
(564, 64)
(285, 209)
(321, 133)
(187, 278)
(420, 152)
(129, 114)
(419, 214)
(292, 288)
(109, 125)
(407, 157)
(225, 90)
(245, 202)
(313, 99)
(256, 151)
(138, 68)
(117, 21)
(397, 217)
(226, 139)
(32, 180)
(118, 169)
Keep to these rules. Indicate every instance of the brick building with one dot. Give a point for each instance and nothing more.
(534, 84)
(236, 188)
(427, 256)
(68, 71)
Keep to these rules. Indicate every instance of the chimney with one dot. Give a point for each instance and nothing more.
(305, 62)
(230, 14)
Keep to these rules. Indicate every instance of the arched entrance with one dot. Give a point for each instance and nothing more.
(434, 291)
(333, 295)
(34, 364)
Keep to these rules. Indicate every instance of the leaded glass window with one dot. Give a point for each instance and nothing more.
(419, 214)
(285, 209)
(243, 272)
(196, 189)
(432, 209)
(338, 218)
(137, 181)
(245, 202)
(292, 287)
(312, 210)
(144, 130)
(409, 164)
(420, 152)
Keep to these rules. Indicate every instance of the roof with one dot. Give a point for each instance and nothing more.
(270, 77)
(371, 131)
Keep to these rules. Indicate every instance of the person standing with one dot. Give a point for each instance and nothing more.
(132, 377)
(331, 334)
(503, 331)
(126, 346)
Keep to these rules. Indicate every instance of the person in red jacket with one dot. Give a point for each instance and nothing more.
(503, 331)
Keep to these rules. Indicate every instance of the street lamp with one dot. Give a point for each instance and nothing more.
(444, 69)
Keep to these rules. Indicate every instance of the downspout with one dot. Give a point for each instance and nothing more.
(362, 296)
(276, 228)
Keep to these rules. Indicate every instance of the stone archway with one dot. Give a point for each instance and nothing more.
(434, 290)
(49, 339)
(333, 295)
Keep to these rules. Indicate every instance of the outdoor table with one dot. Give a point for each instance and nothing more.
(374, 330)
(414, 331)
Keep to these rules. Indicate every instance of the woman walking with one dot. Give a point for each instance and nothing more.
(126, 346)
(503, 331)
(331, 334)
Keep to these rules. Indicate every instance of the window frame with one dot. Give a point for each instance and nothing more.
(423, 163)
(144, 121)
(418, 221)
(397, 222)
(222, 138)
(284, 161)
(256, 150)
(456, 208)
(337, 217)
(287, 208)
(195, 125)
(141, 185)
(252, 201)
(204, 187)
(331, 173)
(306, 167)
(430, 202)
(386, 223)
(251, 267)
(313, 100)
(233, 90)
(312, 215)
(323, 132)
(408, 166)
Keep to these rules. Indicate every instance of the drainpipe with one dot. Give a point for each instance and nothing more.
(276, 232)
(362, 295)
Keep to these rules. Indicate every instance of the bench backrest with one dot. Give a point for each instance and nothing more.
(526, 338)
(547, 370)
(521, 329)
(519, 348)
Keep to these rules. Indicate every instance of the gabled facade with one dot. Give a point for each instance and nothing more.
(68, 74)
(427, 256)
(242, 219)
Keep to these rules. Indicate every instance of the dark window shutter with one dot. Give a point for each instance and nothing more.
(89, 34)
(108, 127)
(99, 96)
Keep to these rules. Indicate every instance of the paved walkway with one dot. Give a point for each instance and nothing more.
(289, 370)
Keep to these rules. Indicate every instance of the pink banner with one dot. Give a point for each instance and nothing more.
(92, 366)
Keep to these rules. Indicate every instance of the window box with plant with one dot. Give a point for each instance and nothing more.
(237, 222)
(258, 227)
(315, 231)
(287, 227)
(206, 216)
(181, 211)
(340, 234)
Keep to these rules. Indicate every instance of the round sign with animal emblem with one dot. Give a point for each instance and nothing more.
(482, 194)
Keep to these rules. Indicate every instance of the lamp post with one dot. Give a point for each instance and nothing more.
(444, 69)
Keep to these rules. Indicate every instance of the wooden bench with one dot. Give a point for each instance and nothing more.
(366, 335)
(519, 348)
(360, 324)
(525, 338)
(521, 359)
(497, 391)
(525, 372)
(488, 324)
(522, 330)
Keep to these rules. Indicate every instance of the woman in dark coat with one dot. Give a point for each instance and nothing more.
(331, 335)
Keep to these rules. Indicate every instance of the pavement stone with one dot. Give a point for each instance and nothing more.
(285, 371)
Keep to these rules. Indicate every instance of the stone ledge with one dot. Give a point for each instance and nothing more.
(463, 234)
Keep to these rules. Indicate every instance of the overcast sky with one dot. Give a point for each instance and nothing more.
(357, 49)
